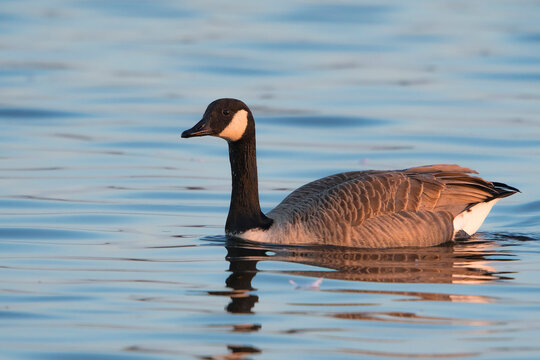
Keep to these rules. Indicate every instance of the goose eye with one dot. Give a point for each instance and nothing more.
(226, 112)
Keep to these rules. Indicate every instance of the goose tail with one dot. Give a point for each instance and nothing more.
(469, 221)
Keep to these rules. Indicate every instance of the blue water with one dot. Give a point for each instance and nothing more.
(111, 226)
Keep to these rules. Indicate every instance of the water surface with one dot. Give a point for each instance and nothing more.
(111, 227)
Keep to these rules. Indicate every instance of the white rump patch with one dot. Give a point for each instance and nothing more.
(470, 220)
(236, 128)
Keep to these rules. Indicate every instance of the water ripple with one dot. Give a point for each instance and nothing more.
(45, 234)
(26, 113)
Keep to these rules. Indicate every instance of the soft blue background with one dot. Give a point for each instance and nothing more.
(111, 227)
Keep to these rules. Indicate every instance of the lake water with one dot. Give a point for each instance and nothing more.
(111, 227)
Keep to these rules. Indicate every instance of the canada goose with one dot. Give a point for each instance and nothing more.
(421, 206)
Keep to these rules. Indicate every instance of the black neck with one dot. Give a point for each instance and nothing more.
(245, 210)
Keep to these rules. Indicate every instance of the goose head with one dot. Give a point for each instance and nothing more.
(229, 119)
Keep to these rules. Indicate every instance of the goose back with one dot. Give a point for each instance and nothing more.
(414, 206)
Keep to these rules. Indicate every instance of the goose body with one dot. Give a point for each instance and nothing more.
(421, 206)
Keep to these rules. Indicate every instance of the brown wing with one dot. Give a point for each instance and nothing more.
(396, 208)
(459, 189)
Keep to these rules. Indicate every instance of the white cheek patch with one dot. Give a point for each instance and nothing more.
(236, 128)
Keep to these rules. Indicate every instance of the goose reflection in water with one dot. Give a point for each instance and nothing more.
(467, 262)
